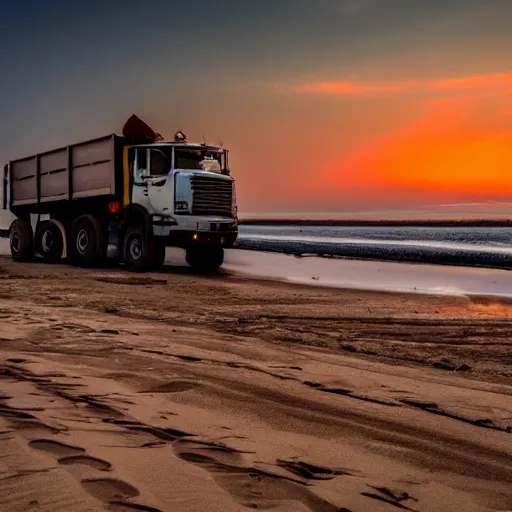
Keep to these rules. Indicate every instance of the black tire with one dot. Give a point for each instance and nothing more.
(49, 242)
(21, 240)
(88, 242)
(138, 253)
(158, 254)
(206, 259)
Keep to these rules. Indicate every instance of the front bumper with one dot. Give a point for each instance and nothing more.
(186, 239)
(216, 231)
(219, 235)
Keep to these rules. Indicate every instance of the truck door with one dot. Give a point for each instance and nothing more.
(160, 185)
(140, 177)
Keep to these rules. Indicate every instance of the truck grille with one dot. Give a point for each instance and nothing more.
(211, 196)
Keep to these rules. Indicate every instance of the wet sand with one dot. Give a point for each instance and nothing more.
(179, 392)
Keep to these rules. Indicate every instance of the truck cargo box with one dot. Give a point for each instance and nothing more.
(85, 170)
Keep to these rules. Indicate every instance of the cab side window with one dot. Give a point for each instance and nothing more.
(160, 163)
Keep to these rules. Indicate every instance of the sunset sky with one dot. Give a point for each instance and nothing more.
(326, 105)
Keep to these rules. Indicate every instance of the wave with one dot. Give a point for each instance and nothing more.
(503, 249)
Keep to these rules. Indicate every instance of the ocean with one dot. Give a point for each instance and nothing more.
(473, 246)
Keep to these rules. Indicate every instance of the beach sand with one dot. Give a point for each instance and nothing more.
(178, 392)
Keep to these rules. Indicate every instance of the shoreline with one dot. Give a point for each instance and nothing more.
(366, 255)
(244, 276)
(479, 284)
(408, 255)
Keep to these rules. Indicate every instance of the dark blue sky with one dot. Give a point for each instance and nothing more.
(75, 70)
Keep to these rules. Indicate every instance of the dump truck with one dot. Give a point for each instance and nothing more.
(145, 193)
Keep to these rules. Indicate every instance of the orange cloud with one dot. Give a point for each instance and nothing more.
(499, 82)
(357, 88)
(451, 149)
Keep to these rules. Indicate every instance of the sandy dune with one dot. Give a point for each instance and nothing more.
(176, 392)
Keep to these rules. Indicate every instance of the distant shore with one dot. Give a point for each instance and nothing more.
(494, 223)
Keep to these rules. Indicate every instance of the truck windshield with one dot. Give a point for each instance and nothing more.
(198, 159)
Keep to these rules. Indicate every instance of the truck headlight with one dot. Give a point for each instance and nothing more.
(181, 206)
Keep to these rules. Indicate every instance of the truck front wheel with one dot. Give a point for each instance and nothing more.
(21, 240)
(88, 241)
(205, 259)
(137, 251)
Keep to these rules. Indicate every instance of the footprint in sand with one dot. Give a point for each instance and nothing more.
(35, 427)
(56, 448)
(69, 455)
(109, 489)
(93, 462)
(255, 488)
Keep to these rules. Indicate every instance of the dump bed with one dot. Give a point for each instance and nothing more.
(80, 171)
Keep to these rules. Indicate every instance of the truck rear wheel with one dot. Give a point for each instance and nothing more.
(21, 240)
(137, 249)
(205, 259)
(88, 241)
(49, 242)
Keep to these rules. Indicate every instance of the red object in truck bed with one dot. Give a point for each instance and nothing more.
(136, 131)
